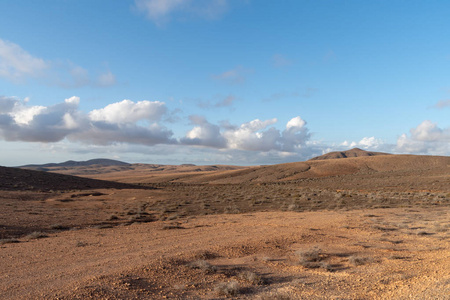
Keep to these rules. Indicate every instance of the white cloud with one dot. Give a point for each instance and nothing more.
(366, 143)
(295, 136)
(370, 143)
(426, 138)
(38, 123)
(295, 124)
(128, 111)
(428, 132)
(116, 123)
(129, 125)
(24, 115)
(101, 133)
(204, 134)
(17, 64)
(160, 11)
(252, 136)
(255, 135)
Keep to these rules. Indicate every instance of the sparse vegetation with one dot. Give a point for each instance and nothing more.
(36, 235)
(359, 260)
(81, 244)
(254, 249)
(251, 277)
(228, 289)
(113, 217)
(59, 227)
(8, 241)
(203, 265)
(172, 226)
(313, 258)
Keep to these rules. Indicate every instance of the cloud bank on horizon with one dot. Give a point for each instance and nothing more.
(139, 123)
(236, 82)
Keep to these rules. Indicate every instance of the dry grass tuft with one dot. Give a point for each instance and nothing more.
(203, 265)
(313, 259)
(8, 241)
(36, 235)
(227, 289)
(251, 277)
(359, 260)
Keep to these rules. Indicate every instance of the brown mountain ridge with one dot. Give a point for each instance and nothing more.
(355, 152)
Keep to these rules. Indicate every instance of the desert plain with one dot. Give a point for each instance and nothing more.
(347, 225)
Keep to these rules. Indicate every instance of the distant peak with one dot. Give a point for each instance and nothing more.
(355, 152)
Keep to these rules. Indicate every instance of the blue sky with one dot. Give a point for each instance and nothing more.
(221, 81)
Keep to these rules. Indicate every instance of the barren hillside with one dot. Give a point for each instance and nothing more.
(372, 227)
(355, 152)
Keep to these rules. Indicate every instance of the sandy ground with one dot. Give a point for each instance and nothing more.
(355, 228)
(364, 254)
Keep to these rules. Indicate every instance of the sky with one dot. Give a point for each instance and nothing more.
(241, 82)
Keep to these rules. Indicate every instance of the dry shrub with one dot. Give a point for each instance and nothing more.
(227, 288)
(172, 226)
(36, 235)
(311, 255)
(59, 227)
(313, 258)
(275, 295)
(205, 254)
(359, 260)
(251, 277)
(8, 241)
(203, 265)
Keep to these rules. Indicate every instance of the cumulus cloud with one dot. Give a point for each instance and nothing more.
(257, 135)
(138, 123)
(160, 11)
(121, 122)
(128, 111)
(253, 136)
(37, 123)
(295, 136)
(426, 138)
(17, 65)
(204, 134)
(368, 143)
(233, 76)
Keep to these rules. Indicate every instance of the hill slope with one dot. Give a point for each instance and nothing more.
(355, 152)
(15, 179)
(71, 163)
(382, 166)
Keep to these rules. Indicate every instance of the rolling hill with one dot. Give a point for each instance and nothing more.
(355, 152)
(15, 179)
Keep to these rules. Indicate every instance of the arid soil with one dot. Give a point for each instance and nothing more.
(373, 227)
